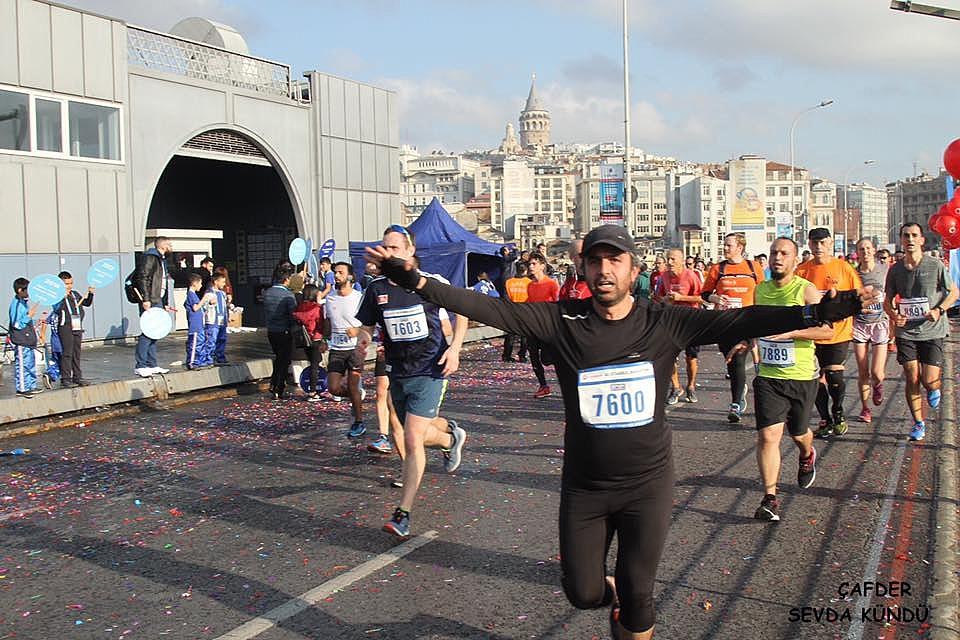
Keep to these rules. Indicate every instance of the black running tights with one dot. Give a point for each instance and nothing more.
(640, 517)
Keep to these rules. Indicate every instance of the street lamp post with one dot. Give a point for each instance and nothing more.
(846, 212)
(792, 141)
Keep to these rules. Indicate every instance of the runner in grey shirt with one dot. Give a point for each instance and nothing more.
(871, 331)
(926, 292)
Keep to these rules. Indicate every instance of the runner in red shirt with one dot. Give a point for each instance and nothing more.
(575, 288)
(681, 286)
(542, 288)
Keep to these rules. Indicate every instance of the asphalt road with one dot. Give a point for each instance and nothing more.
(192, 522)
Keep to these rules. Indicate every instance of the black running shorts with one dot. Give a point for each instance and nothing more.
(928, 352)
(789, 401)
(832, 354)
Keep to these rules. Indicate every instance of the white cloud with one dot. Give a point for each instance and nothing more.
(162, 15)
(823, 34)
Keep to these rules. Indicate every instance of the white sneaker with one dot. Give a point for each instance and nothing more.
(144, 372)
(160, 370)
(363, 394)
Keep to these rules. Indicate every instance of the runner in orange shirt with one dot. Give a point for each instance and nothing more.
(516, 289)
(827, 272)
(730, 285)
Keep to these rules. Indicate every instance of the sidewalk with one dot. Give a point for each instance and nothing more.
(109, 369)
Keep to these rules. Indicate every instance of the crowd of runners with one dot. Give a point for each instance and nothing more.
(614, 333)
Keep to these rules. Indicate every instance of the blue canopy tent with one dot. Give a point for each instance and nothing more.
(445, 248)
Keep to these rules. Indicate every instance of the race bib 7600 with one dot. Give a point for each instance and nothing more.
(617, 396)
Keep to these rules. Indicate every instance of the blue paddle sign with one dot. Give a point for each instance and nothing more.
(297, 251)
(47, 290)
(102, 272)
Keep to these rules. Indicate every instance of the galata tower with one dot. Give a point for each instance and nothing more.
(534, 120)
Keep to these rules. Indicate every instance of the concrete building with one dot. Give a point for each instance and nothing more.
(915, 200)
(864, 210)
(699, 214)
(512, 196)
(777, 202)
(823, 203)
(649, 193)
(449, 178)
(108, 130)
(534, 121)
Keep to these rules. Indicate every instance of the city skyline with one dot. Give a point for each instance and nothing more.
(711, 82)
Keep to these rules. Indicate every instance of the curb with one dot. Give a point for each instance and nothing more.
(61, 408)
(944, 603)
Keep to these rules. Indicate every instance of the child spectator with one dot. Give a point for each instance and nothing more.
(220, 348)
(309, 313)
(23, 335)
(196, 338)
(214, 312)
(68, 315)
(484, 286)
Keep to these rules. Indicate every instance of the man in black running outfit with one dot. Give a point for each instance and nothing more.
(614, 359)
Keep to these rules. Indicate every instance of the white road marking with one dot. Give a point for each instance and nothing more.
(306, 600)
(879, 534)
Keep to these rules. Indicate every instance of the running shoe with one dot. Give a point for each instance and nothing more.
(381, 445)
(314, 398)
(877, 394)
(452, 456)
(824, 430)
(690, 396)
(399, 524)
(865, 416)
(674, 396)
(933, 398)
(542, 392)
(735, 412)
(357, 429)
(839, 426)
(918, 432)
(807, 470)
(397, 483)
(363, 394)
(769, 509)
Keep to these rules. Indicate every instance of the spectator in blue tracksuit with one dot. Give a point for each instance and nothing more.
(484, 286)
(214, 317)
(220, 349)
(195, 334)
(24, 359)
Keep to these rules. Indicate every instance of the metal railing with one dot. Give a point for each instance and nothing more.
(170, 54)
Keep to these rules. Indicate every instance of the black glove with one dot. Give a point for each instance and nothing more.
(395, 269)
(843, 305)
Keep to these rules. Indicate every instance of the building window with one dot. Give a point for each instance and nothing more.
(785, 191)
(798, 191)
(558, 182)
(784, 206)
(771, 192)
(14, 121)
(770, 237)
(49, 125)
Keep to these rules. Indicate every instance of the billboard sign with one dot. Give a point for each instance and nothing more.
(748, 183)
(611, 194)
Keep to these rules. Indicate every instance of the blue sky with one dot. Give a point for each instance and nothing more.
(710, 80)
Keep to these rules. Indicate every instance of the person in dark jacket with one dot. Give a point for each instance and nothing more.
(69, 314)
(278, 305)
(152, 281)
(310, 314)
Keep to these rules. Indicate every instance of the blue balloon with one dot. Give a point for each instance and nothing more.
(47, 290)
(156, 323)
(103, 272)
(321, 380)
(298, 250)
(313, 267)
(327, 248)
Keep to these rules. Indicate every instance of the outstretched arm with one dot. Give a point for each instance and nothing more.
(527, 319)
(690, 326)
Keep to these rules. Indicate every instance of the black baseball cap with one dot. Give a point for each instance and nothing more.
(820, 233)
(611, 235)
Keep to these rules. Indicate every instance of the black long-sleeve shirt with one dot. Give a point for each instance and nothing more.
(614, 374)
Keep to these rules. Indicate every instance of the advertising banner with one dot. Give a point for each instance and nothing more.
(611, 194)
(748, 183)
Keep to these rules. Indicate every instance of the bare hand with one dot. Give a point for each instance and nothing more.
(91, 289)
(899, 320)
(741, 347)
(146, 305)
(450, 361)
(33, 310)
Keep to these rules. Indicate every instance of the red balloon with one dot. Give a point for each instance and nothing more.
(951, 158)
(949, 227)
(948, 245)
